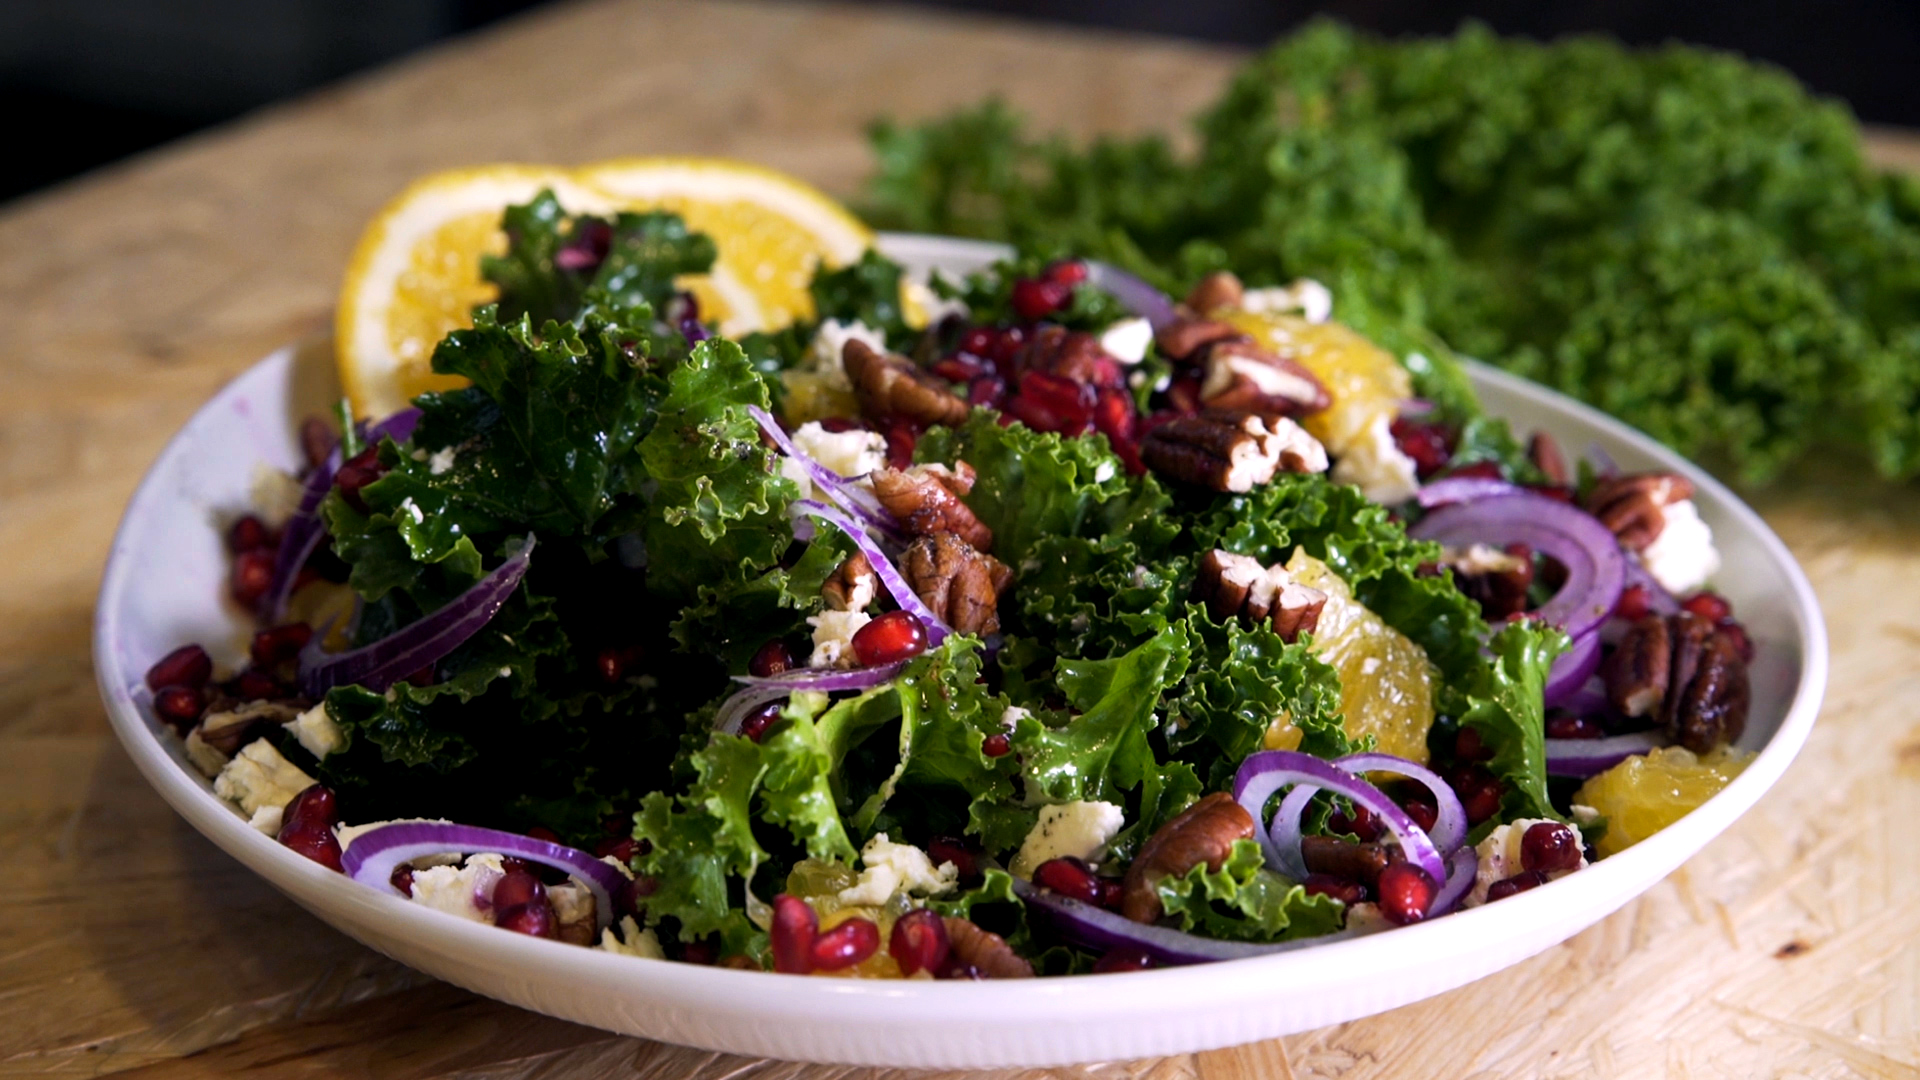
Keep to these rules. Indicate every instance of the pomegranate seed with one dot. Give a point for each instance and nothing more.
(988, 391)
(188, 665)
(755, 726)
(1347, 892)
(1518, 883)
(1479, 792)
(249, 534)
(791, 937)
(1552, 491)
(251, 685)
(1429, 445)
(1112, 891)
(318, 844)
(1035, 415)
(360, 470)
(613, 662)
(1006, 348)
(1548, 846)
(919, 941)
(518, 888)
(1183, 396)
(1424, 814)
(699, 952)
(622, 849)
(979, 341)
(280, 644)
(958, 369)
(949, 849)
(1405, 892)
(402, 879)
(422, 677)
(901, 438)
(845, 945)
(1066, 272)
(1114, 416)
(1359, 821)
(996, 745)
(541, 832)
(180, 706)
(1563, 726)
(1123, 959)
(1034, 300)
(1635, 601)
(1468, 747)
(533, 920)
(773, 658)
(1071, 401)
(840, 425)
(314, 807)
(252, 575)
(1738, 634)
(1710, 606)
(1070, 878)
(896, 635)
(627, 901)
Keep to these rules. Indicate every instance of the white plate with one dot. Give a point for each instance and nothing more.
(164, 586)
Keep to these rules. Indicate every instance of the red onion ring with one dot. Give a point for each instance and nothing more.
(1595, 567)
(1460, 489)
(1462, 867)
(1267, 771)
(764, 691)
(1100, 930)
(1589, 699)
(883, 568)
(375, 854)
(1572, 669)
(854, 500)
(1590, 757)
(1134, 294)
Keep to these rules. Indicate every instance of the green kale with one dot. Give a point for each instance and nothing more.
(1244, 901)
(1502, 702)
(556, 265)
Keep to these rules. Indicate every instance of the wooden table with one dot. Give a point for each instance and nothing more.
(128, 944)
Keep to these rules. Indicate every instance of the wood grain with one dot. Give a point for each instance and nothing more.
(130, 945)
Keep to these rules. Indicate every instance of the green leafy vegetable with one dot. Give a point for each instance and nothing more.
(1244, 901)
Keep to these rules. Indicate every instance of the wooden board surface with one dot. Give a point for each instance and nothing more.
(130, 945)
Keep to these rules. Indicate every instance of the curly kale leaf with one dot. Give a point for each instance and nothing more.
(1244, 901)
(557, 265)
(1243, 680)
(1502, 701)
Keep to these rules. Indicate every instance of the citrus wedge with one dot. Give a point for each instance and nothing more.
(1365, 381)
(1386, 681)
(1642, 795)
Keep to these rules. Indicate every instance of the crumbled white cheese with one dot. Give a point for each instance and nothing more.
(892, 868)
(847, 453)
(317, 732)
(465, 891)
(1682, 557)
(1366, 918)
(1104, 472)
(572, 903)
(1127, 340)
(632, 941)
(823, 355)
(1499, 856)
(441, 460)
(206, 757)
(275, 494)
(833, 637)
(1482, 559)
(1308, 297)
(1376, 466)
(1011, 716)
(935, 306)
(267, 819)
(1077, 830)
(259, 777)
(413, 510)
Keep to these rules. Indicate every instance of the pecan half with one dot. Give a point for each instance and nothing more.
(1218, 290)
(890, 387)
(1238, 586)
(960, 584)
(1242, 377)
(1202, 833)
(1498, 579)
(227, 732)
(852, 586)
(1070, 354)
(1631, 506)
(1228, 452)
(926, 500)
(1639, 669)
(985, 951)
(1344, 858)
(1544, 449)
(1682, 670)
(1712, 708)
(1183, 337)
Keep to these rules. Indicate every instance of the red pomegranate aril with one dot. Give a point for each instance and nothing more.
(1424, 814)
(987, 391)
(755, 726)
(1359, 821)
(1427, 444)
(1183, 395)
(1121, 960)
(1548, 846)
(897, 635)
(402, 879)
(998, 744)
(771, 659)
(1552, 491)
(1113, 416)
(279, 644)
(622, 848)
(845, 945)
(1347, 892)
(979, 341)
(252, 576)
(249, 534)
(359, 470)
(251, 685)
(613, 662)
(699, 952)
(1070, 878)
(919, 942)
(1478, 470)
(627, 901)
(318, 844)
(1066, 272)
(1034, 414)
(958, 369)
(541, 832)
(1035, 299)
(422, 677)
(314, 807)
(840, 425)
(1481, 802)
(948, 849)
(533, 920)
(1562, 726)
(180, 706)
(1710, 606)
(1006, 347)
(1467, 746)
(901, 438)
(1112, 892)
(518, 888)
(1518, 883)
(1635, 601)
(1405, 891)
(791, 936)
(1736, 633)
(1073, 402)
(188, 665)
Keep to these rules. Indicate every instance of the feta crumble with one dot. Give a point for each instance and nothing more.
(935, 306)
(441, 460)
(833, 637)
(847, 453)
(259, 777)
(464, 891)
(1311, 299)
(275, 494)
(1127, 340)
(823, 355)
(1682, 557)
(1076, 830)
(632, 941)
(892, 868)
(1376, 466)
(317, 732)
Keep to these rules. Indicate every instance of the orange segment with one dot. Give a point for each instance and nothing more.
(1365, 381)
(1386, 682)
(1642, 795)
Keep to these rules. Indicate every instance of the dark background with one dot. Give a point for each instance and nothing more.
(85, 82)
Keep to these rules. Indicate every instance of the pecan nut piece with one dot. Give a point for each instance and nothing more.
(1639, 669)
(1545, 452)
(1712, 708)
(890, 387)
(1236, 586)
(1202, 833)
(1242, 377)
(1217, 291)
(926, 500)
(960, 584)
(1683, 671)
(1070, 354)
(1229, 452)
(1184, 337)
(1631, 507)
(985, 951)
(1498, 579)
(852, 586)
(228, 731)
(1344, 858)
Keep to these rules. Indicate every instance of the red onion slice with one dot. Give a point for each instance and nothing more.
(1462, 867)
(1460, 489)
(1589, 699)
(1572, 669)
(759, 691)
(1133, 293)
(1100, 930)
(375, 854)
(381, 664)
(1267, 771)
(1590, 757)
(850, 497)
(883, 568)
(1595, 568)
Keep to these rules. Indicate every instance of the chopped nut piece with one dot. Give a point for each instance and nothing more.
(1237, 586)
(1686, 669)
(1229, 452)
(890, 387)
(1712, 708)
(1497, 579)
(228, 731)
(1638, 669)
(1217, 291)
(1630, 506)
(1546, 455)
(1202, 833)
(960, 584)
(1184, 337)
(1242, 377)
(1070, 354)
(985, 951)
(926, 500)
(1345, 859)
(852, 586)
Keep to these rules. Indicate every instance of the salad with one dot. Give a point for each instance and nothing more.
(1030, 624)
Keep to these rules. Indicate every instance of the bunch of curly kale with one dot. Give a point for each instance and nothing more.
(1685, 239)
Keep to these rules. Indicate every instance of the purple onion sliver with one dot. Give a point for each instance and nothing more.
(1462, 489)
(692, 329)
(299, 539)
(1595, 567)
(1589, 699)
(398, 427)
(1267, 771)
(1450, 818)
(1133, 293)
(373, 856)
(1415, 407)
(1572, 669)
(883, 568)
(744, 703)
(761, 691)
(1463, 866)
(1100, 930)
(855, 500)
(1590, 757)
